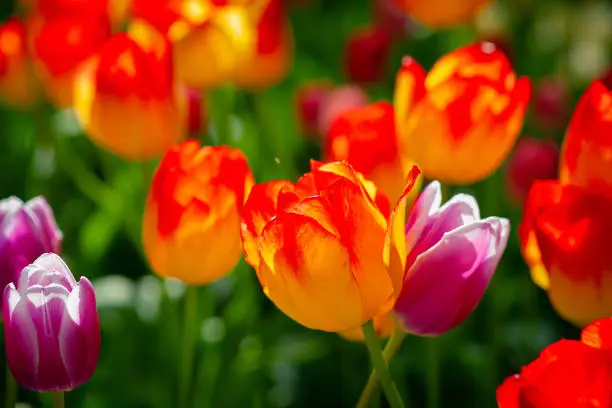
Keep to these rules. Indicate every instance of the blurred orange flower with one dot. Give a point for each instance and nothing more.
(365, 137)
(317, 246)
(126, 98)
(567, 373)
(18, 86)
(191, 226)
(587, 150)
(461, 120)
(211, 38)
(60, 45)
(442, 13)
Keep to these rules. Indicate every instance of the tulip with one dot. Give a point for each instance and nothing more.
(309, 99)
(50, 9)
(336, 102)
(442, 13)
(389, 16)
(532, 160)
(126, 98)
(567, 373)
(317, 246)
(585, 156)
(196, 114)
(451, 257)
(365, 137)
(564, 234)
(550, 102)
(60, 45)
(384, 325)
(366, 55)
(271, 60)
(191, 226)
(18, 87)
(26, 232)
(461, 120)
(51, 327)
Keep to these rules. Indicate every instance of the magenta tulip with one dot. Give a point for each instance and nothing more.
(26, 232)
(452, 257)
(52, 334)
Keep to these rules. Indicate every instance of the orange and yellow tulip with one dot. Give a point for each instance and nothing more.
(60, 45)
(317, 246)
(191, 226)
(126, 98)
(442, 13)
(18, 87)
(365, 137)
(459, 121)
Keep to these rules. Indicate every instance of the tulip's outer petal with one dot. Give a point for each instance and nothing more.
(409, 88)
(43, 217)
(598, 334)
(79, 334)
(427, 308)
(509, 392)
(384, 325)
(442, 13)
(261, 207)
(586, 153)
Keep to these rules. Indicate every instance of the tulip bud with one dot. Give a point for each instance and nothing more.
(338, 101)
(309, 99)
(451, 257)
(26, 232)
(532, 160)
(51, 327)
(391, 17)
(551, 101)
(196, 114)
(367, 53)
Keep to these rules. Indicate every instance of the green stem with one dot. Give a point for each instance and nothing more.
(190, 323)
(380, 366)
(433, 373)
(391, 348)
(219, 105)
(11, 389)
(58, 399)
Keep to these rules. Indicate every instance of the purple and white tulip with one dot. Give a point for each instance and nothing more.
(452, 255)
(26, 232)
(52, 333)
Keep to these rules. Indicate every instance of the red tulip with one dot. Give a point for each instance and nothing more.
(367, 54)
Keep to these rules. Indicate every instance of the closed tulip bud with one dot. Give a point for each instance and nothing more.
(309, 99)
(126, 97)
(51, 328)
(367, 54)
(442, 13)
(317, 246)
(271, 60)
(18, 87)
(60, 45)
(365, 137)
(586, 155)
(196, 114)
(191, 226)
(550, 102)
(337, 101)
(451, 257)
(26, 232)
(461, 120)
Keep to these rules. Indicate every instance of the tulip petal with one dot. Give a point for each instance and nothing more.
(42, 213)
(425, 307)
(598, 334)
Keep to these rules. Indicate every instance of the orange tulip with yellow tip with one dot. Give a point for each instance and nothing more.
(191, 226)
(60, 45)
(273, 53)
(18, 86)
(459, 121)
(317, 246)
(365, 137)
(442, 13)
(211, 38)
(126, 98)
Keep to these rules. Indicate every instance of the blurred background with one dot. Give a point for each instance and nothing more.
(249, 353)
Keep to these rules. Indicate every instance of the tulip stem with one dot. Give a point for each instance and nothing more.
(191, 303)
(11, 389)
(433, 373)
(391, 348)
(381, 367)
(58, 399)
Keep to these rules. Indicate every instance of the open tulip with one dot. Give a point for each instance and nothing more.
(26, 232)
(317, 246)
(191, 226)
(365, 137)
(18, 87)
(126, 97)
(51, 327)
(567, 373)
(451, 255)
(461, 120)
(442, 13)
